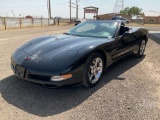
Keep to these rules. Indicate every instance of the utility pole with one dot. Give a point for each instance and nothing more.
(70, 11)
(76, 9)
(49, 9)
(74, 6)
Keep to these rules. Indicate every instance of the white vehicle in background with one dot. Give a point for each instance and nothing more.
(79, 21)
(124, 20)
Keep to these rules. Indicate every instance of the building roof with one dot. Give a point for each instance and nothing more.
(91, 7)
(152, 13)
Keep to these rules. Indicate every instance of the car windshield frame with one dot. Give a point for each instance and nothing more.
(95, 28)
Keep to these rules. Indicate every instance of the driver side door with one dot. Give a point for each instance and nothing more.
(124, 42)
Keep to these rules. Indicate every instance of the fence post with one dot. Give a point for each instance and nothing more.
(20, 23)
(32, 22)
(41, 22)
(54, 21)
(4, 22)
(58, 21)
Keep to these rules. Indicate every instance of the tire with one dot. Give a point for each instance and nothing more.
(141, 49)
(93, 70)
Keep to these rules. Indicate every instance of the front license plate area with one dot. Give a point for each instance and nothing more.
(20, 71)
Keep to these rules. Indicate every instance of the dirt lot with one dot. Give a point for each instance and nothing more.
(129, 89)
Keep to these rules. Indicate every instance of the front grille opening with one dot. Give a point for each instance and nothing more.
(39, 77)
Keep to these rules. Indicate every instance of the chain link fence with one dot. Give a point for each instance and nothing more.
(137, 21)
(1, 23)
(17, 23)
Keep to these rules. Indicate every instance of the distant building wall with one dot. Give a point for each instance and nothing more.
(159, 20)
(151, 20)
(110, 15)
(138, 21)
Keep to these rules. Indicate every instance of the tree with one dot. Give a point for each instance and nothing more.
(125, 11)
(133, 11)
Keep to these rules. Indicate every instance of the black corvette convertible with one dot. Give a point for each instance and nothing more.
(79, 55)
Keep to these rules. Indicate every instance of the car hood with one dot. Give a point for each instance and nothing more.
(51, 46)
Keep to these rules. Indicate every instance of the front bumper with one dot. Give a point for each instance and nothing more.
(44, 79)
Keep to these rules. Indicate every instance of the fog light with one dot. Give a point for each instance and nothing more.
(60, 78)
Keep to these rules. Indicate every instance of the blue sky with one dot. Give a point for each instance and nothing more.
(61, 7)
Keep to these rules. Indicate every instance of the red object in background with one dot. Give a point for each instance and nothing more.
(90, 10)
(28, 16)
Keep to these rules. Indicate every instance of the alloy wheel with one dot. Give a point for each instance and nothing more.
(142, 47)
(95, 71)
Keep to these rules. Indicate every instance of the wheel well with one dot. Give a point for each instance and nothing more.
(103, 55)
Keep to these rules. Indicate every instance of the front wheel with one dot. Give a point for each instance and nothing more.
(93, 70)
(141, 49)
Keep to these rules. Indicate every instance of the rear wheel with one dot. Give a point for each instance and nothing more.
(141, 49)
(93, 70)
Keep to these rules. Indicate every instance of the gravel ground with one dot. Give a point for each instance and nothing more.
(129, 89)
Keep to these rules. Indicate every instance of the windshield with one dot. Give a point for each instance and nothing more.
(95, 29)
